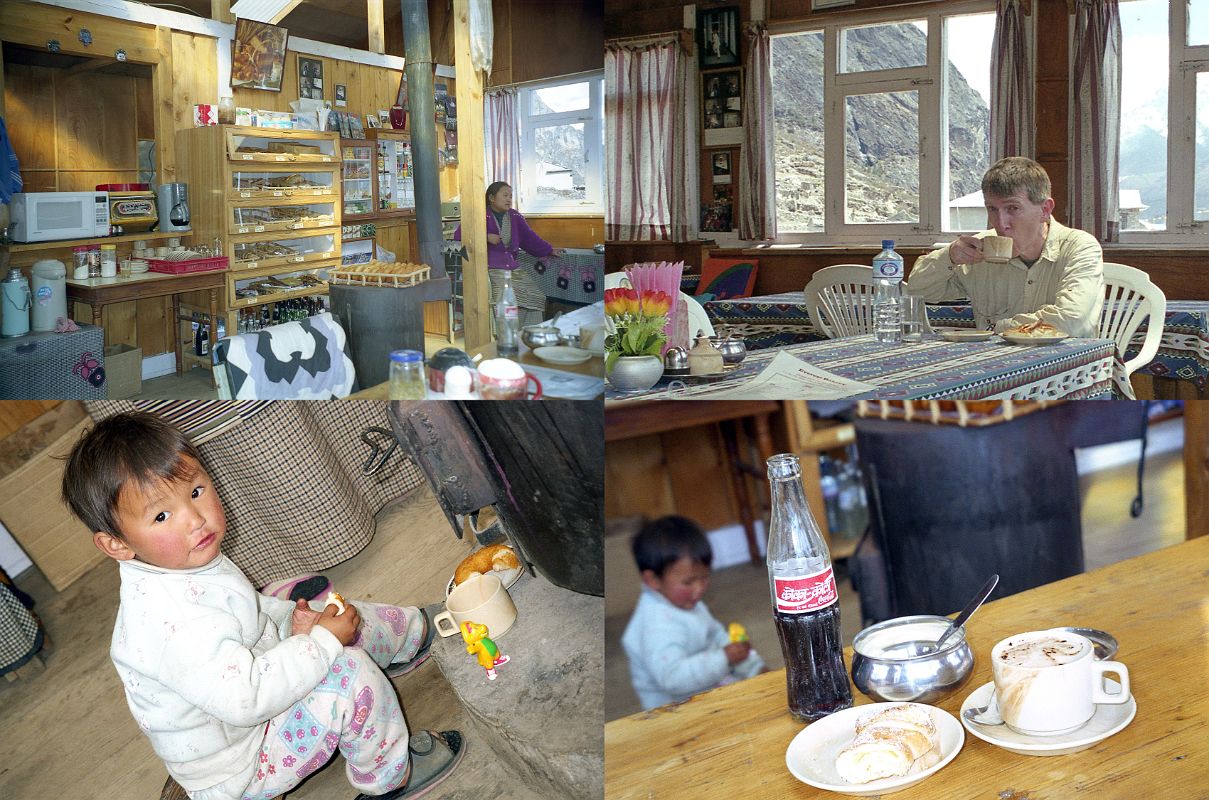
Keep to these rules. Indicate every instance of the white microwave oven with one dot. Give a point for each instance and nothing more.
(50, 216)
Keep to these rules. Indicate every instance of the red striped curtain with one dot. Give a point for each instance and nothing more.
(503, 133)
(757, 182)
(650, 141)
(1095, 145)
(1012, 102)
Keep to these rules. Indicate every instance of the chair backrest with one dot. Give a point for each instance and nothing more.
(839, 300)
(300, 360)
(1129, 298)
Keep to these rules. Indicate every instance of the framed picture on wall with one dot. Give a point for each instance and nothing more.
(310, 78)
(716, 216)
(258, 55)
(722, 99)
(720, 161)
(718, 37)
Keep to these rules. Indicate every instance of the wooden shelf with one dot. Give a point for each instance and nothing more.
(268, 299)
(23, 247)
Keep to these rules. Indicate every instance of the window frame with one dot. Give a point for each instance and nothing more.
(928, 80)
(592, 119)
(1184, 63)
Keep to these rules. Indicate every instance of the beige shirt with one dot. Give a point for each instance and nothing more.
(1065, 287)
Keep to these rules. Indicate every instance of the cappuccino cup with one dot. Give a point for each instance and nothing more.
(997, 249)
(1048, 683)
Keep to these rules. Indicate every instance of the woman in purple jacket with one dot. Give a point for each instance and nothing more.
(508, 234)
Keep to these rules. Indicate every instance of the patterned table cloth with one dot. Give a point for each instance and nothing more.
(1073, 369)
(575, 277)
(777, 320)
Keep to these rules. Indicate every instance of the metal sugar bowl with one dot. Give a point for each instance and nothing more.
(892, 662)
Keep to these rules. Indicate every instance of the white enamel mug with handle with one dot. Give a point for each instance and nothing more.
(482, 599)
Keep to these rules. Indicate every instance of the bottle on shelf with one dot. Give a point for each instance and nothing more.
(887, 294)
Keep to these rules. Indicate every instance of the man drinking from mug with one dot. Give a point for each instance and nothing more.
(1055, 274)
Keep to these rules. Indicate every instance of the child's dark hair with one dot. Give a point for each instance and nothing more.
(126, 447)
(666, 540)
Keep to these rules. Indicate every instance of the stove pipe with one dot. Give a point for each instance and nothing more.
(417, 50)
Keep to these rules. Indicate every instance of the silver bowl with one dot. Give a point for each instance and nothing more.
(535, 336)
(891, 664)
(733, 348)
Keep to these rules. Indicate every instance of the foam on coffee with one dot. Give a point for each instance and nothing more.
(1044, 651)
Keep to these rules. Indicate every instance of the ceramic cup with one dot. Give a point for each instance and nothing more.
(997, 249)
(502, 379)
(1048, 683)
(591, 337)
(482, 599)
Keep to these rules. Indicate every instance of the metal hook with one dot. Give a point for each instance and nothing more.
(369, 468)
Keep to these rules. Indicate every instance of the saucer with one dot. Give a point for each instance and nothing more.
(811, 754)
(1020, 338)
(1107, 720)
(964, 334)
(561, 354)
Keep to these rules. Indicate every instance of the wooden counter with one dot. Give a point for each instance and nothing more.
(731, 742)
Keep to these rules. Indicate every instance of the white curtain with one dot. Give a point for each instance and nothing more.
(757, 181)
(1095, 145)
(503, 133)
(651, 170)
(1012, 125)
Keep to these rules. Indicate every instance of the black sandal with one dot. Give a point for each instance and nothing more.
(433, 758)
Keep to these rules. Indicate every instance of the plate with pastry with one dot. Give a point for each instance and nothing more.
(875, 748)
(498, 558)
(1039, 333)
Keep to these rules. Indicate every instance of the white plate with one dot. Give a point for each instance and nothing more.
(1107, 720)
(964, 334)
(1016, 338)
(811, 754)
(561, 354)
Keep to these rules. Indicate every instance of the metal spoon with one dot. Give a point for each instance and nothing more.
(976, 714)
(968, 611)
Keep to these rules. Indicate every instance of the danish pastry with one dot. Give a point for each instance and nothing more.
(888, 742)
(496, 557)
(335, 599)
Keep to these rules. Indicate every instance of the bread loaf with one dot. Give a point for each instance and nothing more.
(888, 742)
(496, 557)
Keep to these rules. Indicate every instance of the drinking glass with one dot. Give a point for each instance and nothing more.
(914, 320)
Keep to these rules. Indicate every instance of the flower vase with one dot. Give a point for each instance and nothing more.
(635, 373)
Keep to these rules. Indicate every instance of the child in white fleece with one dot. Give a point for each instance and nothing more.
(242, 695)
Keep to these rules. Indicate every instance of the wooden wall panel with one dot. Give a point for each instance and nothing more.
(196, 84)
(30, 100)
(96, 115)
(144, 109)
(87, 181)
(569, 231)
(636, 479)
(538, 24)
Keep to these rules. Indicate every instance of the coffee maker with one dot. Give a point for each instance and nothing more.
(172, 203)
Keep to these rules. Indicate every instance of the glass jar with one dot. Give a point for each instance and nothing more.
(109, 260)
(80, 263)
(226, 111)
(94, 262)
(407, 375)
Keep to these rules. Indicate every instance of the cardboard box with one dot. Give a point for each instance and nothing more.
(123, 371)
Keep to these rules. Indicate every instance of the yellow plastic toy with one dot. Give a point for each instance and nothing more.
(737, 632)
(478, 645)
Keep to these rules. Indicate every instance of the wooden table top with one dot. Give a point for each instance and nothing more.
(146, 284)
(731, 742)
(594, 366)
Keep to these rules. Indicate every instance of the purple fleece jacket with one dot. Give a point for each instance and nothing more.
(523, 238)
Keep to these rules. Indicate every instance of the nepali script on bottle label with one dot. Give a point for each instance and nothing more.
(801, 594)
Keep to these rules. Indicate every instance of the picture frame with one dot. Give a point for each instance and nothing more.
(372, 121)
(721, 164)
(718, 37)
(717, 216)
(258, 55)
(310, 78)
(722, 99)
(341, 95)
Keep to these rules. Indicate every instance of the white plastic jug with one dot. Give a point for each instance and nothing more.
(49, 293)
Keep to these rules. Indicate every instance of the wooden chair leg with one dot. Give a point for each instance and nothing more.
(173, 791)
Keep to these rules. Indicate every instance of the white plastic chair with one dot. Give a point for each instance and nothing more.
(698, 320)
(839, 300)
(1129, 298)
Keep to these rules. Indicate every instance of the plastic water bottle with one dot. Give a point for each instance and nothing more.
(887, 292)
(507, 321)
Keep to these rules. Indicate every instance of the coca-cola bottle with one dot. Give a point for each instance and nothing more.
(805, 602)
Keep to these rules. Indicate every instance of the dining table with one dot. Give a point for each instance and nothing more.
(1072, 369)
(732, 741)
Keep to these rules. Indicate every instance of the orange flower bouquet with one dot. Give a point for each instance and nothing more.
(635, 322)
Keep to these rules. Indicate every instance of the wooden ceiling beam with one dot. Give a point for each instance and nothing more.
(284, 11)
(377, 26)
(220, 11)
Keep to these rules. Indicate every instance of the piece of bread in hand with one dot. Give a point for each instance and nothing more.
(496, 557)
(335, 599)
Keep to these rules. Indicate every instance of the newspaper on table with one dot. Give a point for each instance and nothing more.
(790, 377)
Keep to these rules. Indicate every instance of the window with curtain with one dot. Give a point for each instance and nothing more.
(1164, 121)
(562, 145)
(882, 125)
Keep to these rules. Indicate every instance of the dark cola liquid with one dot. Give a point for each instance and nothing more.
(814, 663)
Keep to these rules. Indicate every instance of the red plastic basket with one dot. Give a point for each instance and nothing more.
(191, 265)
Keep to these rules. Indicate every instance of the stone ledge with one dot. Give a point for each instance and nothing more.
(544, 714)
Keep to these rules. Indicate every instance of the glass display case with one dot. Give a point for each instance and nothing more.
(357, 178)
(279, 147)
(265, 251)
(287, 215)
(258, 184)
(396, 190)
